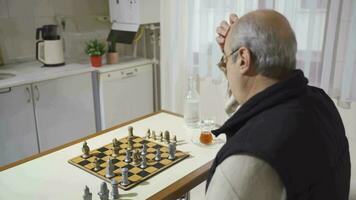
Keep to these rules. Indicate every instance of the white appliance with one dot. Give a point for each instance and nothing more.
(127, 15)
(126, 92)
(50, 52)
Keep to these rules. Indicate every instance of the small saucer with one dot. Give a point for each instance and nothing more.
(214, 144)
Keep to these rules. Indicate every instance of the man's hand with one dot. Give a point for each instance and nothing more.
(223, 29)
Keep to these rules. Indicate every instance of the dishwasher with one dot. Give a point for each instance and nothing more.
(125, 94)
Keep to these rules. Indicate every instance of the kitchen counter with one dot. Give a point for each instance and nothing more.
(30, 72)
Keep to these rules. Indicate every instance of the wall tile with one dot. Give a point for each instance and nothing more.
(91, 7)
(63, 7)
(43, 8)
(40, 21)
(4, 12)
(20, 8)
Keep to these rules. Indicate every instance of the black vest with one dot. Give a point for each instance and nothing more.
(297, 129)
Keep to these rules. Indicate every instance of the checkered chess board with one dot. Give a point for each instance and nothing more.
(136, 174)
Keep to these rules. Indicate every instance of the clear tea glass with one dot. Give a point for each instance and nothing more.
(206, 137)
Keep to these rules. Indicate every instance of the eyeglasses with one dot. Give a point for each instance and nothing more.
(223, 60)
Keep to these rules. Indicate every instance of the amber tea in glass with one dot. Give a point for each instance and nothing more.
(206, 137)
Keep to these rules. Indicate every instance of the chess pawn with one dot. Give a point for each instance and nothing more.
(104, 192)
(174, 140)
(154, 135)
(161, 136)
(85, 150)
(148, 134)
(143, 162)
(128, 156)
(172, 151)
(109, 169)
(158, 154)
(130, 133)
(125, 176)
(144, 149)
(87, 194)
(166, 136)
(115, 189)
(97, 164)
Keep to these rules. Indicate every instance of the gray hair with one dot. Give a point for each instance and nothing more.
(273, 51)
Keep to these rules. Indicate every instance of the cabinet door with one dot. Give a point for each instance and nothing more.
(64, 110)
(125, 95)
(18, 138)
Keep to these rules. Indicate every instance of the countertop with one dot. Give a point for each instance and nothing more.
(52, 177)
(31, 72)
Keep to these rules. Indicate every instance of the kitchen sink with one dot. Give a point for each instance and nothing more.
(6, 75)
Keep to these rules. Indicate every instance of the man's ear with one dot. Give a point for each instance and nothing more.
(245, 60)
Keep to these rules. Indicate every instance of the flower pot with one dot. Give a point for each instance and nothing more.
(112, 57)
(95, 61)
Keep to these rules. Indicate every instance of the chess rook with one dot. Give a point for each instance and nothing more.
(114, 189)
(172, 151)
(125, 176)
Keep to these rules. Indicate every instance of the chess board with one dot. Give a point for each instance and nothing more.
(136, 174)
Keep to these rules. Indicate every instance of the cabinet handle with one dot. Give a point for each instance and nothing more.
(7, 90)
(38, 93)
(29, 95)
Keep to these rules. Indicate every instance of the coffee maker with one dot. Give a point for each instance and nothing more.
(49, 50)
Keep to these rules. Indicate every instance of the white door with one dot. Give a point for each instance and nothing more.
(125, 95)
(18, 138)
(64, 110)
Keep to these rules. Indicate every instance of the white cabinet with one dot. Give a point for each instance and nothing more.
(18, 138)
(64, 110)
(125, 94)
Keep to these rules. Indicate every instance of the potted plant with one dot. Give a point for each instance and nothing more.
(95, 50)
(112, 57)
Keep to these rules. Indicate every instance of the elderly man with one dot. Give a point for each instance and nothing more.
(286, 140)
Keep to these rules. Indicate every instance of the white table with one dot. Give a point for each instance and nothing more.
(50, 176)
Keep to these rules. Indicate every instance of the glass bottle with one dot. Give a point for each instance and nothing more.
(191, 105)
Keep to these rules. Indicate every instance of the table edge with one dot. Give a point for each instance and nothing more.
(183, 185)
(27, 159)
